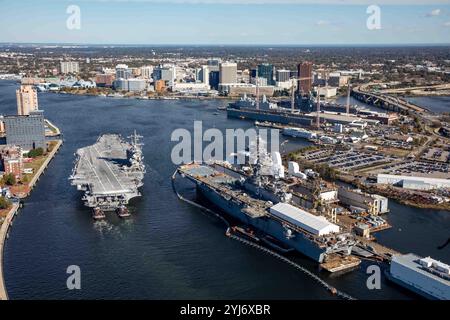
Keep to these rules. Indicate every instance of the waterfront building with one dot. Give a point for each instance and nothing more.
(266, 71)
(104, 80)
(166, 73)
(121, 84)
(305, 77)
(70, 67)
(160, 86)
(136, 85)
(228, 72)
(214, 79)
(26, 131)
(27, 100)
(372, 203)
(122, 71)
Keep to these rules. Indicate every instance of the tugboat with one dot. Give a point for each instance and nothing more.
(122, 211)
(98, 214)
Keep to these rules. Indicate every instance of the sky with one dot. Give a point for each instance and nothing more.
(222, 22)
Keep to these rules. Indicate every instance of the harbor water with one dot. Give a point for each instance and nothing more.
(167, 249)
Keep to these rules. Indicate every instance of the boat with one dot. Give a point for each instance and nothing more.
(109, 172)
(299, 133)
(122, 212)
(268, 212)
(98, 214)
(424, 276)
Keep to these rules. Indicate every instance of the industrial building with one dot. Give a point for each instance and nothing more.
(27, 132)
(372, 203)
(316, 225)
(413, 182)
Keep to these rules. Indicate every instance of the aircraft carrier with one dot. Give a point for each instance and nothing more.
(110, 173)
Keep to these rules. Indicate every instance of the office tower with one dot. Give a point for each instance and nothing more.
(166, 73)
(305, 77)
(26, 131)
(228, 72)
(214, 79)
(27, 100)
(123, 72)
(283, 75)
(203, 74)
(69, 67)
(265, 71)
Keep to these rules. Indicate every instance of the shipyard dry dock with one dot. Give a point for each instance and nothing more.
(109, 172)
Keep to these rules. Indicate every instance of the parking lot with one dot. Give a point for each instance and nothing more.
(346, 160)
(419, 168)
(436, 154)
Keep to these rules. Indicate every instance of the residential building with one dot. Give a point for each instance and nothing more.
(70, 67)
(27, 100)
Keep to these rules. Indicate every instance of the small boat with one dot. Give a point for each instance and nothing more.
(122, 212)
(98, 214)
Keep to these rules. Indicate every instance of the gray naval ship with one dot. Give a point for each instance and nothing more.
(110, 173)
(260, 201)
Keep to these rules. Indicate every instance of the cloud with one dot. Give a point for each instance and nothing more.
(433, 13)
(447, 24)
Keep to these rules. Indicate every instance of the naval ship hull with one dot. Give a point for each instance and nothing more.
(266, 225)
(270, 116)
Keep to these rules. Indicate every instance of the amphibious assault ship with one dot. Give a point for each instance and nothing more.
(110, 173)
(259, 201)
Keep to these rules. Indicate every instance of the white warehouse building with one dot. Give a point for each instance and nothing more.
(413, 182)
(317, 225)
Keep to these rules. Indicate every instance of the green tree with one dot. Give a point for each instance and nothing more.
(35, 153)
(9, 179)
(4, 203)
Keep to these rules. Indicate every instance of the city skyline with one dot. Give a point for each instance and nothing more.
(225, 23)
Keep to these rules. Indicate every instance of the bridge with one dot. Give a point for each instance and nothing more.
(385, 101)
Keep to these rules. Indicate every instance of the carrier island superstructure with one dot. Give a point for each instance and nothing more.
(110, 173)
(259, 202)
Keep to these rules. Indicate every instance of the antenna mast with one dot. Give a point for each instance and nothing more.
(348, 99)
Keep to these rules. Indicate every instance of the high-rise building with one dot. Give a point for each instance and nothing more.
(123, 72)
(137, 85)
(146, 72)
(203, 75)
(265, 71)
(27, 132)
(283, 75)
(27, 100)
(70, 67)
(305, 77)
(166, 73)
(214, 79)
(228, 72)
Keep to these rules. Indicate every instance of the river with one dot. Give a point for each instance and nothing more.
(168, 249)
